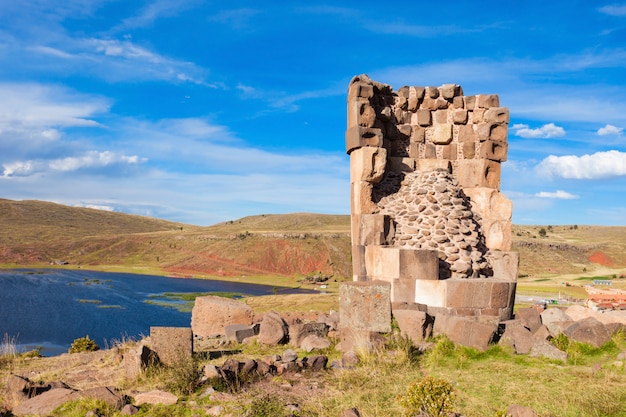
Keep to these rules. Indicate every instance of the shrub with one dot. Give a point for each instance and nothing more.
(84, 344)
(431, 396)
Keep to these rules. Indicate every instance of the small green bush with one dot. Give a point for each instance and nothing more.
(431, 396)
(83, 344)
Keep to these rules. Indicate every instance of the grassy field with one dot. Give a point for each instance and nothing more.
(483, 384)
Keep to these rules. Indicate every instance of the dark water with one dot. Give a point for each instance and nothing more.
(51, 308)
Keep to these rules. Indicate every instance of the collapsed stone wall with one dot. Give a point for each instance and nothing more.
(426, 206)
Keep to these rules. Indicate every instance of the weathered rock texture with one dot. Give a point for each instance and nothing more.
(427, 213)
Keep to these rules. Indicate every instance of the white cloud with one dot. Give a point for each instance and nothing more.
(91, 159)
(594, 166)
(26, 106)
(549, 130)
(613, 10)
(95, 206)
(19, 168)
(558, 194)
(610, 130)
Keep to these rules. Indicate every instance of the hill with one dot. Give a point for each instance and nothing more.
(34, 233)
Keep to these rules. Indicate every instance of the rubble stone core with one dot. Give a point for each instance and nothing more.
(426, 209)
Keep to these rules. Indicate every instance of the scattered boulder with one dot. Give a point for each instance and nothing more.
(543, 348)
(273, 330)
(590, 331)
(211, 314)
(518, 337)
(551, 315)
(43, 404)
(314, 342)
(529, 317)
(299, 331)
(107, 394)
(171, 344)
(135, 360)
(156, 397)
(466, 331)
(415, 324)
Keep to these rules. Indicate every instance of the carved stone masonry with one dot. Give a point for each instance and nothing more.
(427, 213)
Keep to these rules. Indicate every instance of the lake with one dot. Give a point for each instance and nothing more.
(50, 308)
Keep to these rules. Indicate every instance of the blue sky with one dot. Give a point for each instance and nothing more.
(200, 111)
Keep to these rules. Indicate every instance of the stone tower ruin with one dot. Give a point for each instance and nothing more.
(427, 213)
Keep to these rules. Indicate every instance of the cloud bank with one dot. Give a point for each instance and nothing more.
(586, 167)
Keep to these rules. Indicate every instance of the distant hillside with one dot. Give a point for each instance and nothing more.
(34, 233)
(38, 221)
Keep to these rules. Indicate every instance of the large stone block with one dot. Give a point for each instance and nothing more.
(403, 290)
(471, 173)
(487, 100)
(484, 294)
(359, 270)
(497, 115)
(529, 317)
(273, 329)
(372, 229)
(449, 91)
(360, 113)
(171, 344)
(415, 324)
(441, 134)
(362, 198)
(496, 151)
(459, 117)
(431, 164)
(211, 313)
(358, 137)
(424, 117)
(491, 131)
(391, 262)
(489, 203)
(365, 306)
(463, 293)
(360, 89)
(469, 150)
(466, 331)
(368, 164)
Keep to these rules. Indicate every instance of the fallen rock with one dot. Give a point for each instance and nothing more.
(106, 394)
(518, 337)
(550, 315)
(211, 313)
(273, 330)
(156, 397)
(543, 348)
(43, 404)
(590, 331)
(530, 317)
(314, 342)
(299, 331)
